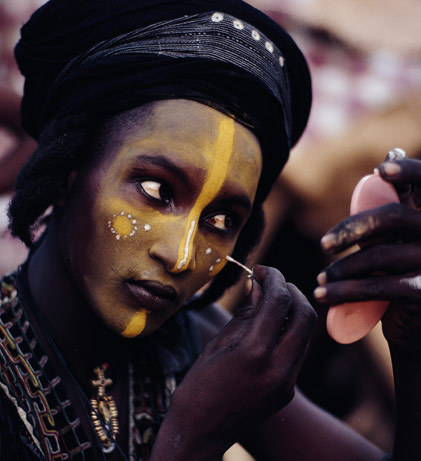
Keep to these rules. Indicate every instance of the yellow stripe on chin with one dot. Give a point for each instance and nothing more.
(136, 325)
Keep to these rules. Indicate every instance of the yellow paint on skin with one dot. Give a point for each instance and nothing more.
(122, 225)
(219, 266)
(214, 180)
(193, 136)
(136, 325)
(116, 206)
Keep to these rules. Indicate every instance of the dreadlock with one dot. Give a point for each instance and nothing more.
(43, 178)
(65, 144)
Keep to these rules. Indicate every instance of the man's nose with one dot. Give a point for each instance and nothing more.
(176, 247)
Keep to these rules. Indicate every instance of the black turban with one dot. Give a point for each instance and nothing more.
(63, 30)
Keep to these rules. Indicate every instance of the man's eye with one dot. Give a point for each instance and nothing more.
(220, 221)
(156, 190)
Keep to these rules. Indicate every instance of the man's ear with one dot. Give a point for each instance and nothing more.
(65, 191)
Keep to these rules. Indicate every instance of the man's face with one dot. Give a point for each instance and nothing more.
(150, 221)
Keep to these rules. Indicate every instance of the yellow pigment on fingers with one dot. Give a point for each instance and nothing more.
(214, 180)
(136, 325)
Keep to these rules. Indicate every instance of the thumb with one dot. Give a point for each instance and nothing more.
(249, 306)
(241, 318)
(253, 291)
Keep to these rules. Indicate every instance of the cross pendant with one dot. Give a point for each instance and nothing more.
(101, 382)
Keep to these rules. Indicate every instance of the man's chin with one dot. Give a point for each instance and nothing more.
(136, 325)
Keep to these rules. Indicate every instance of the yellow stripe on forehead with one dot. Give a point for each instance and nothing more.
(214, 180)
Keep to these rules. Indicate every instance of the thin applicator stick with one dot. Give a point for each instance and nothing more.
(232, 260)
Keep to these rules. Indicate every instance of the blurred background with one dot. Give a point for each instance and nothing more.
(365, 60)
(15, 145)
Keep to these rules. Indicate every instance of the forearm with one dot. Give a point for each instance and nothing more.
(179, 440)
(326, 438)
(407, 370)
(186, 434)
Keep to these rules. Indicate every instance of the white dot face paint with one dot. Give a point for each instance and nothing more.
(147, 227)
(208, 251)
(412, 282)
(218, 260)
(211, 269)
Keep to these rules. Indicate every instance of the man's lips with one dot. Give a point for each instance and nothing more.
(152, 295)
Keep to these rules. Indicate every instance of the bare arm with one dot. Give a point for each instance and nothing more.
(304, 432)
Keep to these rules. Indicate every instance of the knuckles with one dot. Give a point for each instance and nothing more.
(274, 290)
(309, 315)
(304, 318)
(394, 212)
(373, 288)
(377, 255)
(257, 354)
(279, 296)
(389, 215)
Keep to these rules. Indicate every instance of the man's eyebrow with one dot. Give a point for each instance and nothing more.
(235, 197)
(165, 162)
(239, 199)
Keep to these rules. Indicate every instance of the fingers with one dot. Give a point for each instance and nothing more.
(262, 318)
(299, 326)
(404, 288)
(273, 307)
(405, 171)
(389, 222)
(233, 332)
(386, 223)
(245, 315)
(405, 175)
(392, 258)
(248, 308)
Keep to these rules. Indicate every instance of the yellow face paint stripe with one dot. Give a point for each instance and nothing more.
(214, 180)
(136, 325)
